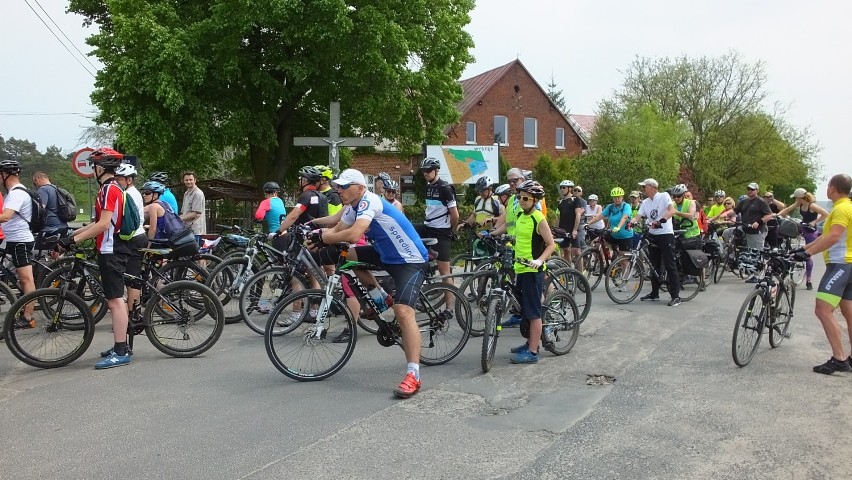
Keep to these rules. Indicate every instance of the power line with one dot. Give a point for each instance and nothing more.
(85, 57)
(21, 114)
(59, 40)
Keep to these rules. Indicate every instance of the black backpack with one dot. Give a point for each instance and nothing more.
(39, 213)
(66, 206)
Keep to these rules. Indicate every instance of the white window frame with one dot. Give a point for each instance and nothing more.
(467, 139)
(534, 132)
(560, 139)
(505, 119)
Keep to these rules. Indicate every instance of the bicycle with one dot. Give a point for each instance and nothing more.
(595, 258)
(181, 318)
(302, 346)
(503, 297)
(479, 249)
(768, 307)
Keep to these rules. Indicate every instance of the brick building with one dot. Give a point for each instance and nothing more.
(506, 106)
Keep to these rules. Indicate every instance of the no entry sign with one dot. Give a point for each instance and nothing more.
(80, 163)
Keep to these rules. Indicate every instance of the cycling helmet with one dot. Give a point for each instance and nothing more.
(430, 163)
(720, 193)
(635, 194)
(593, 197)
(532, 187)
(616, 192)
(392, 186)
(270, 187)
(483, 183)
(309, 173)
(152, 186)
(125, 170)
(10, 166)
(385, 178)
(749, 262)
(527, 174)
(106, 158)
(161, 177)
(504, 189)
(679, 189)
(325, 171)
(741, 198)
(566, 183)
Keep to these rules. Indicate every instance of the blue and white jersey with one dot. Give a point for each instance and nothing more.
(440, 198)
(394, 237)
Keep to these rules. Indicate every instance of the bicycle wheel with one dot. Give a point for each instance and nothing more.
(571, 280)
(7, 298)
(227, 281)
(306, 351)
(797, 273)
(263, 291)
(690, 285)
(721, 265)
(492, 330)
(594, 266)
(782, 315)
(748, 329)
(50, 343)
(443, 333)
(92, 294)
(560, 323)
(175, 270)
(475, 290)
(183, 319)
(557, 262)
(463, 263)
(624, 280)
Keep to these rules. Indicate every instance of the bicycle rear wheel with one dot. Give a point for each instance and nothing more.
(690, 285)
(227, 281)
(304, 350)
(594, 266)
(263, 291)
(783, 315)
(748, 329)
(7, 298)
(571, 280)
(50, 343)
(443, 332)
(624, 280)
(560, 323)
(476, 289)
(183, 319)
(491, 332)
(91, 294)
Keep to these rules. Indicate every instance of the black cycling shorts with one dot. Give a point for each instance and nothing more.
(408, 277)
(529, 287)
(134, 261)
(112, 267)
(21, 253)
(443, 235)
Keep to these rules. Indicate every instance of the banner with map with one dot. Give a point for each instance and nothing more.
(465, 163)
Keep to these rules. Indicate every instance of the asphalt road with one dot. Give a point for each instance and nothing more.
(679, 408)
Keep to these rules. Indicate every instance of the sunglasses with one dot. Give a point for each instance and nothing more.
(428, 171)
(751, 189)
(391, 191)
(345, 187)
(729, 204)
(525, 198)
(578, 190)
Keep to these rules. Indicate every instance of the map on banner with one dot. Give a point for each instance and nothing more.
(465, 163)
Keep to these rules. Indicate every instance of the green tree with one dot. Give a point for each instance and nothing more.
(184, 81)
(556, 95)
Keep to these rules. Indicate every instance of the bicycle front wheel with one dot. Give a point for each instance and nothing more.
(782, 315)
(91, 294)
(492, 330)
(443, 317)
(560, 323)
(476, 289)
(624, 280)
(748, 329)
(227, 281)
(183, 319)
(306, 348)
(594, 266)
(263, 291)
(48, 342)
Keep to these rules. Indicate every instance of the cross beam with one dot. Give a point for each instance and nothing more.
(334, 139)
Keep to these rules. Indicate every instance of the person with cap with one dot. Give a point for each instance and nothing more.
(658, 209)
(485, 208)
(16, 218)
(271, 210)
(812, 214)
(167, 196)
(396, 246)
(593, 209)
(754, 213)
(572, 211)
(773, 240)
(635, 201)
(390, 195)
(835, 288)
(324, 187)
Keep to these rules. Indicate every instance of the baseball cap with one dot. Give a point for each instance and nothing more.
(636, 194)
(649, 181)
(350, 176)
(799, 193)
(753, 186)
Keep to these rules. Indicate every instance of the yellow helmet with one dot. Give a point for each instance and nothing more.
(325, 171)
(617, 192)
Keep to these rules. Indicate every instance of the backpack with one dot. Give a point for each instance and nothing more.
(66, 206)
(130, 221)
(38, 215)
(172, 224)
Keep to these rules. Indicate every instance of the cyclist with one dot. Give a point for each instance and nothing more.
(334, 204)
(635, 201)
(125, 175)
(754, 213)
(396, 246)
(381, 183)
(167, 196)
(593, 209)
(163, 221)
(572, 211)
(618, 214)
(113, 252)
(271, 209)
(390, 195)
(685, 215)
(534, 244)
(441, 217)
(503, 193)
(16, 218)
(310, 204)
(719, 205)
(485, 208)
(812, 214)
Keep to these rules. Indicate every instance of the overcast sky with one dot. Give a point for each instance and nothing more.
(583, 45)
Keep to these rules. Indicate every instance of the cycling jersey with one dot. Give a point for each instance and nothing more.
(110, 198)
(529, 244)
(513, 211)
(393, 236)
(715, 209)
(312, 204)
(271, 210)
(841, 214)
(440, 198)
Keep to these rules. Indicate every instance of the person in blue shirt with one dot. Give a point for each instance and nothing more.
(617, 213)
(271, 209)
(167, 196)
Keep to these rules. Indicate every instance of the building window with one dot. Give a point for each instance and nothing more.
(501, 130)
(530, 132)
(560, 138)
(470, 133)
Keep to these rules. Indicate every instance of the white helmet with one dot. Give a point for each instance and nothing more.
(566, 183)
(125, 170)
(592, 197)
(679, 189)
(504, 189)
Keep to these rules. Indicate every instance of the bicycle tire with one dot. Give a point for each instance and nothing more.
(721, 266)
(7, 298)
(476, 289)
(31, 345)
(95, 300)
(782, 316)
(310, 353)
(177, 270)
(748, 328)
(198, 319)
(464, 261)
(573, 281)
(222, 279)
(618, 281)
(265, 289)
(594, 266)
(690, 285)
(440, 340)
(560, 323)
(491, 332)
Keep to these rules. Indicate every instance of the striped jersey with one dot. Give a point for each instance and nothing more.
(392, 234)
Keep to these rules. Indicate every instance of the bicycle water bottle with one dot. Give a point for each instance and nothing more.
(379, 298)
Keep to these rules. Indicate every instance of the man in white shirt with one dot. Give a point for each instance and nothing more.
(125, 176)
(192, 212)
(16, 217)
(658, 209)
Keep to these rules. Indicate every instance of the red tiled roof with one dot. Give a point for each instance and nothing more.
(476, 87)
(586, 122)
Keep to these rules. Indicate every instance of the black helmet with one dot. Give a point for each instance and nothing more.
(10, 166)
(310, 173)
(430, 163)
(483, 183)
(532, 187)
(106, 158)
(161, 177)
(270, 187)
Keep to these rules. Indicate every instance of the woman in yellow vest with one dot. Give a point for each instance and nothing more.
(686, 215)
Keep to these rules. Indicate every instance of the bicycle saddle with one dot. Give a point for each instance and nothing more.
(429, 241)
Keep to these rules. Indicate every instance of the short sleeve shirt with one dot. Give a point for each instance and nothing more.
(110, 198)
(17, 228)
(133, 193)
(568, 212)
(394, 237)
(615, 213)
(752, 210)
(440, 198)
(654, 209)
(313, 204)
(193, 201)
(841, 214)
(48, 196)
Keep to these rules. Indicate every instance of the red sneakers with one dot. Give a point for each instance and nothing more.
(409, 386)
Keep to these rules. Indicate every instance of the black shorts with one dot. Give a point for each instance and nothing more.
(21, 253)
(620, 244)
(112, 267)
(408, 277)
(327, 255)
(134, 260)
(444, 237)
(836, 284)
(529, 287)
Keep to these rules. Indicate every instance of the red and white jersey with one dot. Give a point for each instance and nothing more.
(110, 198)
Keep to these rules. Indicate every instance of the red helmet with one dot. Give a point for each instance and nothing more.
(106, 157)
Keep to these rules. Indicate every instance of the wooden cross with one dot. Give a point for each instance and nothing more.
(334, 139)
